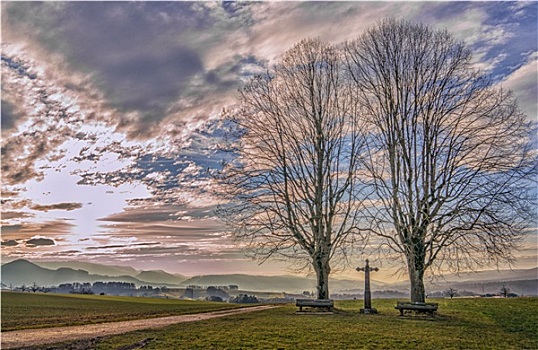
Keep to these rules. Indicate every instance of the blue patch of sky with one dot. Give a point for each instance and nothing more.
(523, 24)
(524, 27)
(231, 7)
(18, 66)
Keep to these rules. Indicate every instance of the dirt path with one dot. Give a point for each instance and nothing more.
(34, 337)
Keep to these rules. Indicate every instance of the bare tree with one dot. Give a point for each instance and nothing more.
(451, 292)
(293, 185)
(505, 291)
(450, 157)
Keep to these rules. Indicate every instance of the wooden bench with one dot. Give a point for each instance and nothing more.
(416, 306)
(317, 303)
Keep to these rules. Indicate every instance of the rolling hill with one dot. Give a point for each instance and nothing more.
(20, 272)
(159, 276)
(150, 276)
(96, 269)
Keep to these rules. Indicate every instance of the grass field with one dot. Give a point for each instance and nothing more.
(460, 324)
(28, 310)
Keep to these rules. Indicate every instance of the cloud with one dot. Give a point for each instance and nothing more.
(28, 230)
(7, 215)
(10, 115)
(141, 214)
(59, 206)
(177, 62)
(143, 56)
(47, 115)
(524, 83)
(34, 242)
(130, 93)
(166, 231)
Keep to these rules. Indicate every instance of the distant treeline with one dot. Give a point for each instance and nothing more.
(119, 288)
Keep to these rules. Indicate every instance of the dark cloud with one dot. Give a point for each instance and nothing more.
(9, 116)
(137, 52)
(7, 229)
(150, 59)
(10, 243)
(40, 242)
(58, 206)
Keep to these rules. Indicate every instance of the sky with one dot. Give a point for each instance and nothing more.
(111, 116)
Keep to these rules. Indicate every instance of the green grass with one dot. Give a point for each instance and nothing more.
(29, 310)
(460, 324)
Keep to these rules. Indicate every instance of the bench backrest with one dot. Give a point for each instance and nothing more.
(314, 302)
(408, 303)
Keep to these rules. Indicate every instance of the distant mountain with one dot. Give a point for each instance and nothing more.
(495, 275)
(151, 276)
(92, 268)
(288, 284)
(521, 282)
(519, 287)
(159, 276)
(20, 272)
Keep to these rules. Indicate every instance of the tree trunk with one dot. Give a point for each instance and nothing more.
(322, 268)
(416, 278)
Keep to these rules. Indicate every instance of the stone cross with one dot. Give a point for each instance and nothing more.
(367, 294)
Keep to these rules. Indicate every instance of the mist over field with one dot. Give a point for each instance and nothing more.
(48, 274)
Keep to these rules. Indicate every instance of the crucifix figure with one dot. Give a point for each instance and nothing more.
(367, 295)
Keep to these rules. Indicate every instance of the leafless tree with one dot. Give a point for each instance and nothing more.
(450, 157)
(451, 292)
(505, 291)
(292, 188)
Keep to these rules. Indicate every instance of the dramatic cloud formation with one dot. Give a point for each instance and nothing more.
(111, 114)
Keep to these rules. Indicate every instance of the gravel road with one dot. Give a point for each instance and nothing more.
(36, 337)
